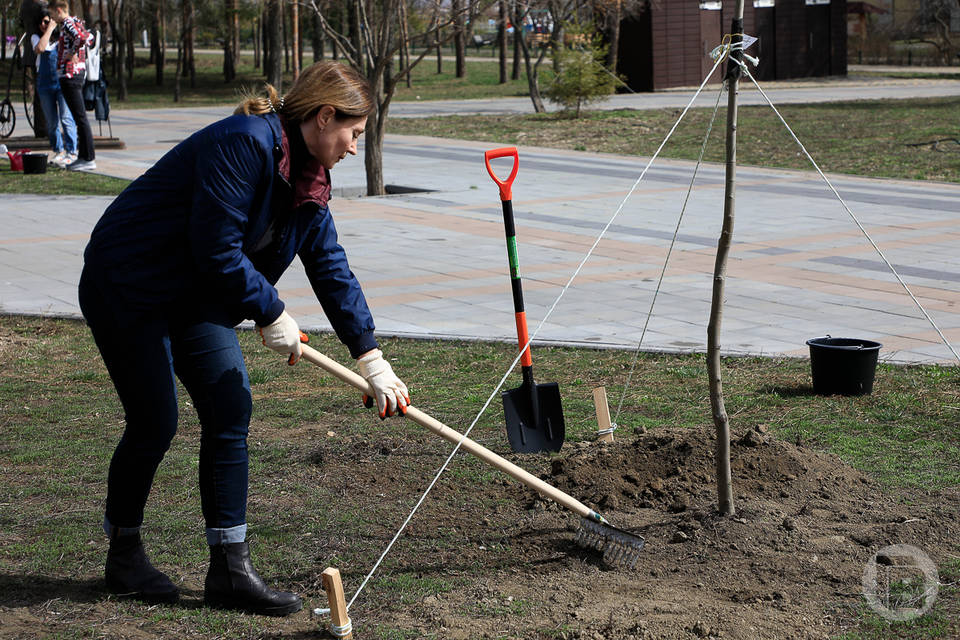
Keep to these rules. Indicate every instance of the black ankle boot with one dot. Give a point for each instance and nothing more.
(129, 573)
(233, 583)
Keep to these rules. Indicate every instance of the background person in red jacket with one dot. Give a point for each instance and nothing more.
(188, 250)
(71, 68)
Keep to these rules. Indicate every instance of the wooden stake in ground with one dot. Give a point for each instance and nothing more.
(720, 418)
(340, 625)
(604, 426)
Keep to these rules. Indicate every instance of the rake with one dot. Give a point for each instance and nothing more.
(620, 548)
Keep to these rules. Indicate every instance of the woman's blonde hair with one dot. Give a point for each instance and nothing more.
(324, 83)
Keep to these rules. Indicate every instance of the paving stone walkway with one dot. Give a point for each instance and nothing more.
(433, 263)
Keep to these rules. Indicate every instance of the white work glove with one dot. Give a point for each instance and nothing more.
(391, 394)
(284, 336)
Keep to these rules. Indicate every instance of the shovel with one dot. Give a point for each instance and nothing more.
(533, 413)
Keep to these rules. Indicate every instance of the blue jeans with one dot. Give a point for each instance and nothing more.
(56, 113)
(200, 347)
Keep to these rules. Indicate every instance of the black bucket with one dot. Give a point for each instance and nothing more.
(844, 366)
(35, 163)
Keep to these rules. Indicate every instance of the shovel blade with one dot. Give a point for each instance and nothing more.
(534, 419)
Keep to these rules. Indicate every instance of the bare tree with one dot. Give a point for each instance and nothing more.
(231, 11)
(558, 11)
(189, 31)
(502, 38)
(931, 24)
(377, 24)
(721, 420)
(295, 38)
(459, 38)
(158, 37)
(273, 56)
(118, 28)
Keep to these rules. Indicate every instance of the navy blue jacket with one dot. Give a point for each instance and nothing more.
(213, 223)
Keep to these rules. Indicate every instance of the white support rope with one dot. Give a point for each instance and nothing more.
(853, 217)
(666, 260)
(530, 340)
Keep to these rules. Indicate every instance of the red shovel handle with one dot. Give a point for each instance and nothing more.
(505, 185)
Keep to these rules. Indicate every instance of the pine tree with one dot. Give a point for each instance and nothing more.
(582, 78)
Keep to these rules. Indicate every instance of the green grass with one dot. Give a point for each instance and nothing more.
(482, 80)
(939, 622)
(322, 467)
(59, 182)
(868, 138)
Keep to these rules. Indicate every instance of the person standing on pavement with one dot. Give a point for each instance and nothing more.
(71, 65)
(187, 251)
(55, 110)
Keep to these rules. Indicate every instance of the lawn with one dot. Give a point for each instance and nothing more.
(876, 138)
(330, 484)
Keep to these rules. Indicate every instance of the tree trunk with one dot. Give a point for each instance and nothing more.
(189, 66)
(356, 36)
(273, 59)
(295, 38)
(178, 73)
(256, 41)
(235, 33)
(613, 23)
(459, 37)
(229, 61)
(720, 419)
(405, 42)
(284, 32)
(517, 37)
(112, 19)
(131, 21)
(3, 32)
(86, 13)
(316, 38)
(161, 29)
(532, 69)
(502, 39)
(118, 27)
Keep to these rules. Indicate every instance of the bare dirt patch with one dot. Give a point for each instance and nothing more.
(499, 562)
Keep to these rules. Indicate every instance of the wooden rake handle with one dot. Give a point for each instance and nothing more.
(548, 491)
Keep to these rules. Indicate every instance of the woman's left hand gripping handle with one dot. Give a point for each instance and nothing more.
(284, 336)
(391, 393)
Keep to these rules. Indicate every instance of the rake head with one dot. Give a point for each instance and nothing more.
(620, 548)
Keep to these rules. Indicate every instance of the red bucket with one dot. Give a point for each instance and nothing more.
(16, 159)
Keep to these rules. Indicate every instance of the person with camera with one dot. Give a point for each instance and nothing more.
(54, 105)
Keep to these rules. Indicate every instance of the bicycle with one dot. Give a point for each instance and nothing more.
(8, 116)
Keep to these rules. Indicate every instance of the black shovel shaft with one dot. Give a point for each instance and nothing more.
(510, 230)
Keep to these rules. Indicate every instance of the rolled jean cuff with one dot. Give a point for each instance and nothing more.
(109, 529)
(228, 535)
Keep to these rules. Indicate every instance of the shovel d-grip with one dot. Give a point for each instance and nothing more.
(533, 412)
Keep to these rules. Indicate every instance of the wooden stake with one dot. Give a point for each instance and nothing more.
(603, 415)
(339, 620)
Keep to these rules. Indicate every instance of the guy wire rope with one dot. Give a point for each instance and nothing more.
(666, 260)
(853, 216)
(533, 335)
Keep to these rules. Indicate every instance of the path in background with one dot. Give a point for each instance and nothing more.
(434, 264)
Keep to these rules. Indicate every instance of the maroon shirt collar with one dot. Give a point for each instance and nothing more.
(309, 178)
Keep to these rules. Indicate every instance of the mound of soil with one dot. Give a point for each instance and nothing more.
(788, 564)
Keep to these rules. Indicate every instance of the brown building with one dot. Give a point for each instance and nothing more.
(667, 45)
